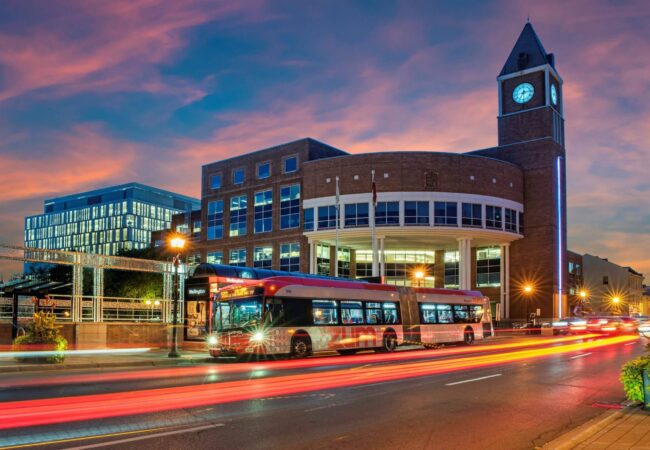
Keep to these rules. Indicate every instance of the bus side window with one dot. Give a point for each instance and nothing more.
(476, 313)
(428, 313)
(461, 314)
(444, 314)
(325, 312)
(373, 313)
(390, 312)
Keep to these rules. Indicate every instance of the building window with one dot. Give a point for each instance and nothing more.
(416, 213)
(356, 215)
(387, 214)
(238, 208)
(215, 219)
(488, 267)
(493, 217)
(472, 216)
(322, 259)
(605, 279)
(290, 207)
(215, 257)
(400, 266)
(263, 170)
(451, 269)
(263, 257)
(263, 211)
(445, 214)
(290, 257)
(215, 181)
(308, 219)
(510, 221)
(237, 257)
(194, 259)
(326, 217)
(343, 261)
(290, 164)
(239, 176)
(521, 223)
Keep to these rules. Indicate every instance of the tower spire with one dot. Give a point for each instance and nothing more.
(528, 52)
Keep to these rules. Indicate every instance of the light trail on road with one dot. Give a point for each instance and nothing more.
(202, 371)
(97, 406)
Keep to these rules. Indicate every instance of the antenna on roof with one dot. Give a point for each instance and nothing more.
(528, 18)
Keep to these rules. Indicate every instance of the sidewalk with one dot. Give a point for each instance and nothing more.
(156, 357)
(627, 428)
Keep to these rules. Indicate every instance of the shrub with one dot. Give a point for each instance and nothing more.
(632, 377)
(42, 334)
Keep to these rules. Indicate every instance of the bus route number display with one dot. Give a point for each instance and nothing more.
(238, 292)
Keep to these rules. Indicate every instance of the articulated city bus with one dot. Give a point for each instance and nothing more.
(300, 316)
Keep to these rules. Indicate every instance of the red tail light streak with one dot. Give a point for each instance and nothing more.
(88, 407)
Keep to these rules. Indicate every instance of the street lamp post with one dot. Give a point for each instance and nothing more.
(528, 292)
(419, 276)
(177, 244)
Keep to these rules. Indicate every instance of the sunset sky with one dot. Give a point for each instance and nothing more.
(97, 93)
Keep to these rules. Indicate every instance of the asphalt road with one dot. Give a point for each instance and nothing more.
(493, 397)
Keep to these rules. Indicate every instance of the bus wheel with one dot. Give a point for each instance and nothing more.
(389, 343)
(468, 336)
(300, 347)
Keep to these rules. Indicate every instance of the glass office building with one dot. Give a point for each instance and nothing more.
(106, 220)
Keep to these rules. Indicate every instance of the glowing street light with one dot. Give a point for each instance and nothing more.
(616, 299)
(419, 276)
(583, 294)
(528, 290)
(177, 243)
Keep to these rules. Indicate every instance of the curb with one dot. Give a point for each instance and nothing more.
(599, 424)
(96, 365)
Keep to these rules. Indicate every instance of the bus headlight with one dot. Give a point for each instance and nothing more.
(213, 340)
(258, 337)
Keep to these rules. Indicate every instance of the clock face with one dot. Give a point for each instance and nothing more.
(523, 93)
(553, 95)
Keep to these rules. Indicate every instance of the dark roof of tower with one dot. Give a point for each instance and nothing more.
(528, 52)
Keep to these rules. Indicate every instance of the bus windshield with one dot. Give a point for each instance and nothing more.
(238, 313)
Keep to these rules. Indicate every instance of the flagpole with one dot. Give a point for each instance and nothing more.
(375, 256)
(336, 247)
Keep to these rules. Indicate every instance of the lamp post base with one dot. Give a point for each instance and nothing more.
(174, 354)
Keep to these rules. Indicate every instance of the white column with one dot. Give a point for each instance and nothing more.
(507, 280)
(312, 257)
(465, 263)
(503, 298)
(382, 257)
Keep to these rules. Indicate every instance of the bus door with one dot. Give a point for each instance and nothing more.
(410, 313)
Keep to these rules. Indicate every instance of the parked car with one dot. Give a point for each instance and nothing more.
(570, 325)
(612, 325)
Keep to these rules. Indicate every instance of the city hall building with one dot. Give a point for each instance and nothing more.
(493, 220)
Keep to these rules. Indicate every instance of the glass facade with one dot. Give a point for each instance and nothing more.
(215, 220)
(237, 257)
(472, 215)
(263, 257)
(105, 221)
(493, 217)
(400, 266)
(290, 207)
(215, 257)
(290, 257)
(416, 213)
(356, 215)
(343, 261)
(326, 217)
(445, 213)
(238, 208)
(322, 259)
(263, 211)
(387, 214)
(451, 269)
(488, 267)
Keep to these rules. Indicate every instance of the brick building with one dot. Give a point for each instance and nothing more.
(491, 219)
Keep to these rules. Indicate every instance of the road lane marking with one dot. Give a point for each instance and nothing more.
(581, 355)
(148, 436)
(473, 379)
(631, 343)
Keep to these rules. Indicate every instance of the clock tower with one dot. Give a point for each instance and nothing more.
(530, 93)
(531, 136)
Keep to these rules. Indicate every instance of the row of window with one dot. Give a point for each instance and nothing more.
(416, 213)
(262, 257)
(262, 213)
(433, 313)
(333, 312)
(263, 171)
